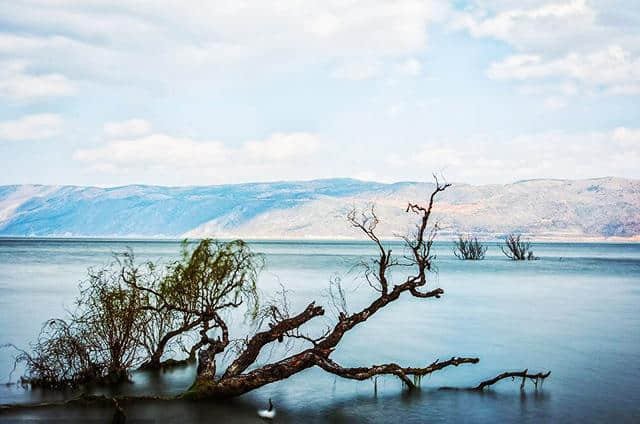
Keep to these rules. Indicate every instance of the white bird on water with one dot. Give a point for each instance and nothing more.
(268, 414)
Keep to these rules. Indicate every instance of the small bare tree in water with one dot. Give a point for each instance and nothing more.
(517, 249)
(469, 248)
(144, 312)
(99, 340)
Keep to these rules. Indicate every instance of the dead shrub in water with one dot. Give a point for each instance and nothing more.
(516, 249)
(469, 248)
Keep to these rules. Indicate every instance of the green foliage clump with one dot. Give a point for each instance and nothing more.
(129, 315)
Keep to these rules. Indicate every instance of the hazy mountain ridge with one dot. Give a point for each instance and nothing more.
(557, 209)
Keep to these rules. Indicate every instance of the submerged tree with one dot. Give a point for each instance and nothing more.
(209, 280)
(517, 249)
(60, 357)
(130, 316)
(108, 315)
(469, 248)
(199, 294)
(100, 340)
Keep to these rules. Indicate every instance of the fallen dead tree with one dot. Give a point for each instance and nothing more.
(196, 295)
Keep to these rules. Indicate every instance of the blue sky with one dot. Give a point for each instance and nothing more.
(97, 92)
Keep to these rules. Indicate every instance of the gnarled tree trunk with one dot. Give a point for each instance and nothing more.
(236, 380)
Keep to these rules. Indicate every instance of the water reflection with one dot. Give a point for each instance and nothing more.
(422, 405)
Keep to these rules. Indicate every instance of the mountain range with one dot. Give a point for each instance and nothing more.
(590, 209)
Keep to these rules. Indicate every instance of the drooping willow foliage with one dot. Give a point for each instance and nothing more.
(129, 315)
(60, 357)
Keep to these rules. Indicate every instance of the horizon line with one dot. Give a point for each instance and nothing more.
(294, 181)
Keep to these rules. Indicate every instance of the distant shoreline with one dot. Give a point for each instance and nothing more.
(162, 239)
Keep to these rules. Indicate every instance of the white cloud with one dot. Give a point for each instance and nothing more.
(17, 84)
(129, 128)
(155, 150)
(627, 138)
(283, 146)
(556, 102)
(594, 43)
(410, 67)
(367, 69)
(544, 25)
(99, 37)
(31, 127)
(555, 154)
(167, 152)
(395, 109)
(613, 69)
(357, 71)
(566, 89)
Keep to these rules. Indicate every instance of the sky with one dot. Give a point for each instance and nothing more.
(108, 92)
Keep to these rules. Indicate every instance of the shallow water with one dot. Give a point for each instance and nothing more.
(575, 312)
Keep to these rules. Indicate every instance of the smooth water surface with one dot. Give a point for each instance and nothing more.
(575, 312)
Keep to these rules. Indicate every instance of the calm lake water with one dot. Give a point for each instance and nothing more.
(575, 312)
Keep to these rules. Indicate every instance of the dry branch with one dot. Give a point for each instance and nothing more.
(539, 377)
(363, 373)
(517, 249)
(469, 248)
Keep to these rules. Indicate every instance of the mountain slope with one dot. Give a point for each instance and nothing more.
(561, 209)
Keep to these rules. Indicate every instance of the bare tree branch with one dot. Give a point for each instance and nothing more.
(258, 341)
(363, 373)
(522, 374)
